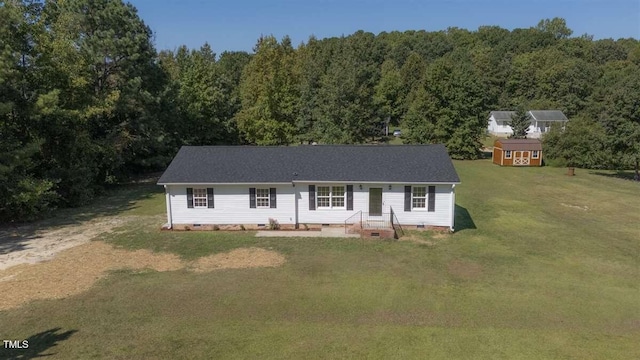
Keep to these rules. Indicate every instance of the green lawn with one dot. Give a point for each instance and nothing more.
(542, 266)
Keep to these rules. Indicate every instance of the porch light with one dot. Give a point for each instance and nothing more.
(389, 186)
(360, 186)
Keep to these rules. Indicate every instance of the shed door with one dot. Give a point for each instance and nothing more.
(521, 158)
(375, 201)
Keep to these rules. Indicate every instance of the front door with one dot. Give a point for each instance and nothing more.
(375, 201)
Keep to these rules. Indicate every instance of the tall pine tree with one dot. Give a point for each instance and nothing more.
(520, 122)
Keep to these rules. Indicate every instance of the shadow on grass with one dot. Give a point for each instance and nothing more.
(113, 202)
(620, 174)
(463, 220)
(38, 344)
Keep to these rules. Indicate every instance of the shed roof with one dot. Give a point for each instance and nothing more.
(520, 144)
(548, 115)
(502, 115)
(265, 164)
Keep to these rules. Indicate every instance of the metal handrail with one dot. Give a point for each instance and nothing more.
(377, 221)
(352, 220)
(396, 224)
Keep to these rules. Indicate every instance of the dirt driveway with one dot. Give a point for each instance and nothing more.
(28, 244)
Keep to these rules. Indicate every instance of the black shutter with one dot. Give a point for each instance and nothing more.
(190, 198)
(349, 197)
(312, 197)
(210, 198)
(272, 198)
(407, 198)
(432, 198)
(252, 198)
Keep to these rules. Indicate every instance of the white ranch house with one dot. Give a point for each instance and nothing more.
(541, 121)
(309, 185)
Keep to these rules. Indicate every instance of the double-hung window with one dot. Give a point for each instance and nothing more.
(419, 197)
(262, 198)
(199, 198)
(330, 197)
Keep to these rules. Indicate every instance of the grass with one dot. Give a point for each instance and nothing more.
(542, 266)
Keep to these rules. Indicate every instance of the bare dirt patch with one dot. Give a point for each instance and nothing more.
(431, 238)
(57, 262)
(239, 259)
(465, 270)
(579, 207)
(75, 270)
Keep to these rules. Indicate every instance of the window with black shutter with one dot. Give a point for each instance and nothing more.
(252, 198)
(407, 198)
(349, 197)
(312, 197)
(210, 198)
(190, 198)
(272, 198)
(432, 199)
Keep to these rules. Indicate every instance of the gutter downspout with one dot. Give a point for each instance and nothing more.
(168, 200)
(295, 205)
(453, 206)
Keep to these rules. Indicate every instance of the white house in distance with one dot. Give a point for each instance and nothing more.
(541, 121)
(299, 186)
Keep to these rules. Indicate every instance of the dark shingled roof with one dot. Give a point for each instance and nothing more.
(502, 115)
(520, 144)
(548, 115)
(540, 115)
(265, 164)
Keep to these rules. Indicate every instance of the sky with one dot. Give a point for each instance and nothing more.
(236, 25)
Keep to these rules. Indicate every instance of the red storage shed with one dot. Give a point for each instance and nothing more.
(517, 152)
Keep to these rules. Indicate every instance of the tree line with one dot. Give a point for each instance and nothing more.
(87, 101)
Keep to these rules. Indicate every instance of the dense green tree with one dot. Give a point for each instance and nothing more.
(556, 26)
(389, 96)
(313, 60)
(269, 94)
(580, 144)
(619, 113)
(421, 119)
(549, 78)
(347, 112)
(520, 122)
(456, 101)
(207, 95)
(23, 194)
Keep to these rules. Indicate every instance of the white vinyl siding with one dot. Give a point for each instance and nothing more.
(393, 198)
(535, 131)
(232, 205)
(499, 127)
